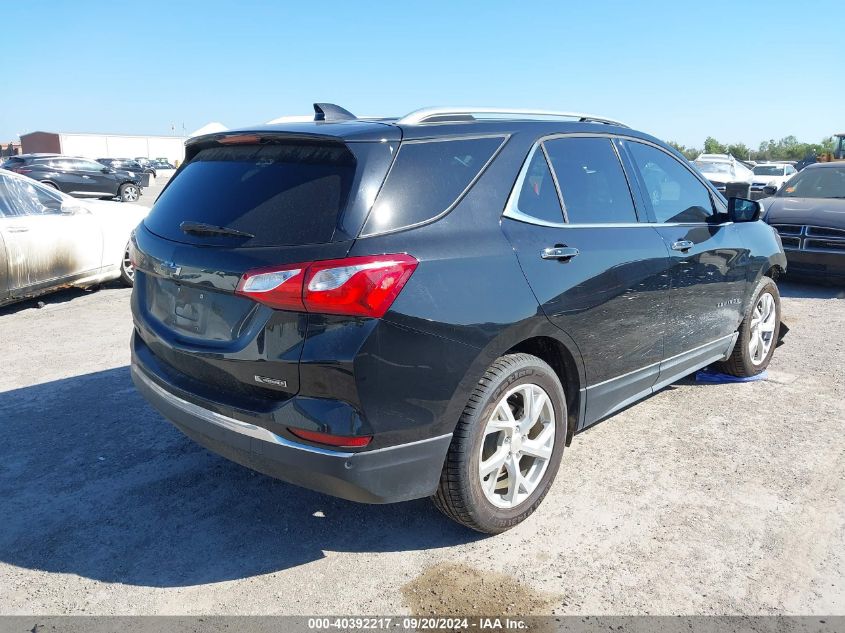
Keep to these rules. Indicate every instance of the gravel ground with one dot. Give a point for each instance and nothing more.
(726, 499)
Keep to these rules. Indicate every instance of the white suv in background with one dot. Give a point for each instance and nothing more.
(721, 169)
(771, 175)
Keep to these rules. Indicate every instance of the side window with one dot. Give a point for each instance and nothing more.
(592, 183)
(675, 195)
(426, 179)
(63, 163)
(536, 194)
(87, 165)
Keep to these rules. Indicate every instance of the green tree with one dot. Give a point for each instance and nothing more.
(712, 146)
(690, 153)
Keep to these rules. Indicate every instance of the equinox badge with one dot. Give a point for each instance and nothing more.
(276, 382)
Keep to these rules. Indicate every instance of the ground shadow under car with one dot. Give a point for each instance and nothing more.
(95, 483)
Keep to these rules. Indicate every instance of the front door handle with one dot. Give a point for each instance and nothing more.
(682, 245)
(18, 229)
(564, 253)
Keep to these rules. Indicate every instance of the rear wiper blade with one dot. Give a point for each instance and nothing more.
(201, 228)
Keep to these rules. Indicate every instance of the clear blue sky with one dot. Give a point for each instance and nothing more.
(741, 71)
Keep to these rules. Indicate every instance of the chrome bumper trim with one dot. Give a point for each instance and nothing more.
(251, 430)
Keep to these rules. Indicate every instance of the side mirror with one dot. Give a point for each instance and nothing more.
(107, 170)
(742, 210)
(770, 190)
(70, 209)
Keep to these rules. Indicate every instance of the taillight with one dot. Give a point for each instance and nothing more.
(277, 287)
(21, 170)
(340, 441)
(355, 286)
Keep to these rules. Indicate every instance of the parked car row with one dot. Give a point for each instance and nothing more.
(161, 166)
(807, 207)
(78, 177)
(49, 240)
(154, 167)
(128, 164)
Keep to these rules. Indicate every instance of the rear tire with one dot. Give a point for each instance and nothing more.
(507, 446)
(758, 333)
(49, 184)
(129, 192)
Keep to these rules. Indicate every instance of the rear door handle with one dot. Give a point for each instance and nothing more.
(18, 229)
(682, 245)
(564, 253)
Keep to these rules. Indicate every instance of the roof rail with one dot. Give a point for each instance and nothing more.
(443, 114)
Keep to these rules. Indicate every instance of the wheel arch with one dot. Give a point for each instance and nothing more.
(562, 361)
(775, 271)
(542, 339)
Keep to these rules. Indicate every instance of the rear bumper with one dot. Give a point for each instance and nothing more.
(386, 475)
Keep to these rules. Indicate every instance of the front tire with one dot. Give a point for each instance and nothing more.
(507, 446)
(129, 192)
(758, 332)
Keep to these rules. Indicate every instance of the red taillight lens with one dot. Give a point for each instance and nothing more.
(277, 287)
(355, 286)
(21, 170)
(340, 441)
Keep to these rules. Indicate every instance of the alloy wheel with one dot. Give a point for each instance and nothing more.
(763, 322)
(127, 268)
(517, 446)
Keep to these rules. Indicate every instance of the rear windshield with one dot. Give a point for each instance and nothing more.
(283, 194)
(426, 179)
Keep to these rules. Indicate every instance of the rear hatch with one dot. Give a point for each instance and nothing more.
(245, 202)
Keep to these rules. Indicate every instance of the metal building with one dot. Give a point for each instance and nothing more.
(171, 148)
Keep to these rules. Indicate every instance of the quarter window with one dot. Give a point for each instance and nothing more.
(591, 180)
(673, 193)
(537, 195)
(427, 179)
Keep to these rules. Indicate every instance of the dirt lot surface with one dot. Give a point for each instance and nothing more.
(701, 499)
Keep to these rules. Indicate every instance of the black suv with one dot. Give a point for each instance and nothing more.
(434, 305)
(79, 177)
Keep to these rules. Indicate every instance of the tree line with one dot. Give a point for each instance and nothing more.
(787, 148)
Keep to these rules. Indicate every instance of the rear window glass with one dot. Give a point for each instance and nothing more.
(283, 194)
(426, 179)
